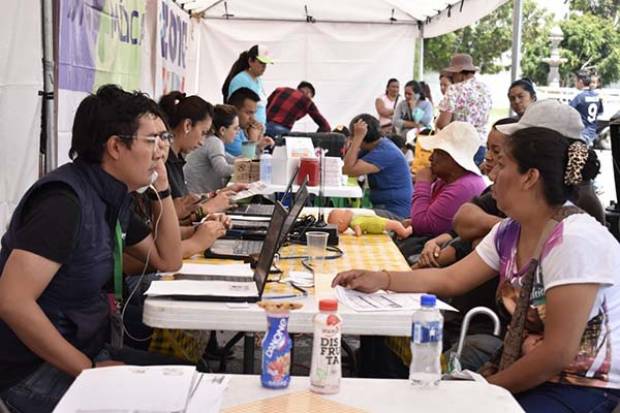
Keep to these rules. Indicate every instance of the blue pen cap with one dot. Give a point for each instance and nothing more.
(428, 300)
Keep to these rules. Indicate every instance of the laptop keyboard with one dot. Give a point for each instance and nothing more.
(259, 209)
(248, 247)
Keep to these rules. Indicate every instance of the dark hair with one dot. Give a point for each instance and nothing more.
(343, 130)
(177, 107)
(504, 121)
(308, 85)
(447, 75)
(223, 115)
(426, 91)
(417, 88)
(397, 140)
(239, 96)
(388, 84)
(239, 66)
(525, 84)
(374, 128)
(110, 111)
(585, 77)
(468, 72)
(547, 151)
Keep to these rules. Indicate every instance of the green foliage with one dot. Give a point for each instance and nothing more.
(484, 41)
(591, 40)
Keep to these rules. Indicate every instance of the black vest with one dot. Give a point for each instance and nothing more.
(74, 300)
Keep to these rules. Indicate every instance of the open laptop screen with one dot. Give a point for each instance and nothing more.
(270, 246)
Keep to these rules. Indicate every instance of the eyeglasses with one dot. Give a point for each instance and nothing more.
(164, 136)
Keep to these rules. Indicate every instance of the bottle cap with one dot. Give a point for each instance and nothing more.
(428, 300)
(328, 304)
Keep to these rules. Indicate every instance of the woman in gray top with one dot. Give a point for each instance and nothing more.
(414, 112)
(209, 168)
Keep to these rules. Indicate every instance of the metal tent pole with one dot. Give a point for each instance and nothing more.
(49, 128)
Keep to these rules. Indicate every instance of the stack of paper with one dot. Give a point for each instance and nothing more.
(144, 389)
(383, 301)
(255, 188)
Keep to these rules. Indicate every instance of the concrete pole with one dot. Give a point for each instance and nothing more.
(421, 61)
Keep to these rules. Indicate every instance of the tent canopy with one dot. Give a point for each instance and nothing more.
(436, 16)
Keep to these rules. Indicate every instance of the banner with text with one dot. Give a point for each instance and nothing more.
(172, 42)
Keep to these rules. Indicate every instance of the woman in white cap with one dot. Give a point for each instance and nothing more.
(246, 72)
(452, 179)
(558, 280)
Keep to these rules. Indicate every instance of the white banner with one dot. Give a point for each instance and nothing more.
(21, 77)
(348, 64)
(172, 41)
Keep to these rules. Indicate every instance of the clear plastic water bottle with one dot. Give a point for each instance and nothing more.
(326, 369)
(426, 343)
(265, 167)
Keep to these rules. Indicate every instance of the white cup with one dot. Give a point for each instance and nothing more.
(316, 242)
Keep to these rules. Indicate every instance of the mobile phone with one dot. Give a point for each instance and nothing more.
(203, 197)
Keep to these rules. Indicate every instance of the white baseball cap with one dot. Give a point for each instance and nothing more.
(263, 55)
(460, 140)
(550, 114)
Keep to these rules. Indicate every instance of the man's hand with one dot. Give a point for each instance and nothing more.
(207, 232)
(254, 131)
(362, 280)
(264, 142)
(235, 188)
(219, 203)
(161, 183)
(184, 206)
(222, 218)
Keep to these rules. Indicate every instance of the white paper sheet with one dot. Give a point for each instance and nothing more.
(129, 389)
(249, 218)
(208, 393)
(241, 270)
(255, 188)
(383, 301)
(202, 288)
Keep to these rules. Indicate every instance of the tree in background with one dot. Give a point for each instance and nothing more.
(591, 40)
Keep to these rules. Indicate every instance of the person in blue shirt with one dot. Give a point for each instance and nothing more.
(246, 72)
(245, 101)
(588, 103)
(391, 187)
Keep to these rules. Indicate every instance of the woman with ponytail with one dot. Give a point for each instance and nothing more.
(246, 72)
(559, 285)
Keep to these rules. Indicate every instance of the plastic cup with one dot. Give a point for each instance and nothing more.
(316, 242)
(248, 150)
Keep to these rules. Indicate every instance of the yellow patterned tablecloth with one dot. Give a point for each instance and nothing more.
(369, 252)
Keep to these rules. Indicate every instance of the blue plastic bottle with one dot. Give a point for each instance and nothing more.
(276, 361)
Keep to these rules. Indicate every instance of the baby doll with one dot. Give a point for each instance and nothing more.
(366, 224)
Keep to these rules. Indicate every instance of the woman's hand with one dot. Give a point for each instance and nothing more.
(108, 363)
(360, 129)
(207, 232)
(184, 206)
(424, 175)
(430, 253)
(362, 280)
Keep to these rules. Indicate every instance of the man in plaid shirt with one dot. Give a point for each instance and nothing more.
(286, 105)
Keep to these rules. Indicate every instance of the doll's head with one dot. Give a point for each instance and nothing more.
(341, 218)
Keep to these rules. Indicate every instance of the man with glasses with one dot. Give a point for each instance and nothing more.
(64, 246)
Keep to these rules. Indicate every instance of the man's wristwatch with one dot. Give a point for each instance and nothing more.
(156, 196)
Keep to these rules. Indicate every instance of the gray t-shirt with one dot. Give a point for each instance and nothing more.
(208, 168)
(422, 114)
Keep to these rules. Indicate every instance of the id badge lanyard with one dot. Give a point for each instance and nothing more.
(116, 320)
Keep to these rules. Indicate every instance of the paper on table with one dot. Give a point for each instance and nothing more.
(129, 389)
(208, 393)
(255, 188)
(202, 288)
(383, 301)
(240, 270)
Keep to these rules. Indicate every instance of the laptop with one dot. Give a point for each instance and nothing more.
(242, 249)
(219, 288)
(264, 210)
